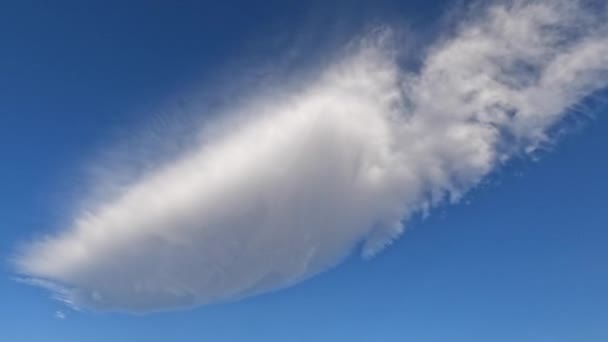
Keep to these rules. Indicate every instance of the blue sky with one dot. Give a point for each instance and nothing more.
(521, 257)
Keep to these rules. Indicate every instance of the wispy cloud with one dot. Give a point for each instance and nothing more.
(60, 315)
(292, 190)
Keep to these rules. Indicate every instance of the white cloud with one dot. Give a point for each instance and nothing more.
(60, 315)
(292, 190)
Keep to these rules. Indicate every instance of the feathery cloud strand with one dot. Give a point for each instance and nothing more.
(296, 187)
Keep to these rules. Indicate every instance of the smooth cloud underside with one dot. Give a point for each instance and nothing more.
(295, 188)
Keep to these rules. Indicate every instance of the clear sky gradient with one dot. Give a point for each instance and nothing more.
(521, 258)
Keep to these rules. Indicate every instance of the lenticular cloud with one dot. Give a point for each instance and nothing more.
(341, 163)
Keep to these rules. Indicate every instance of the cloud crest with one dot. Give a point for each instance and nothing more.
(294, 189)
